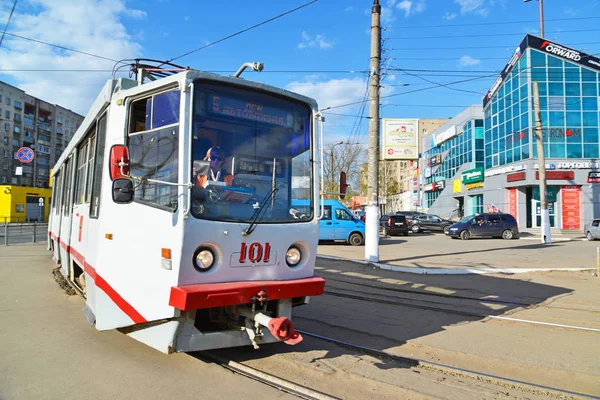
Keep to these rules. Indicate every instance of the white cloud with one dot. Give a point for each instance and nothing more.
(472, 6)
(411, 7)
(102, 35)
(318, 42)
(449, 16)
(350, 8)
(465, 61)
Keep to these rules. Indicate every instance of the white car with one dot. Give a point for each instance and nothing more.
(592, 230)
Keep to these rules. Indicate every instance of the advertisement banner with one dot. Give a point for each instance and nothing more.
(400, 139)
(571, 207)
(512, 202)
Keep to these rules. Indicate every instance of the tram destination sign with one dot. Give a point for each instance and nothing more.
(253, 111)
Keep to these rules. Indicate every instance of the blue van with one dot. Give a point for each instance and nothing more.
(339, 223)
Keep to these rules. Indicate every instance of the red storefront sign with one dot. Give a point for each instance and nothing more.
(512, 202)
(557, 175)
(571, 207)
(517, 176)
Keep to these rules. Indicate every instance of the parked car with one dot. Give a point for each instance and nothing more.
(429, 222)
(489, 224)
(394, 224)
(592, 230)
(410, 215)
(338, 223)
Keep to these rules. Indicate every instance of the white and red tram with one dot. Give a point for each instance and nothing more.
(178, 265)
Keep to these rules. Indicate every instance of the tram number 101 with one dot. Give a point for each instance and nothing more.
(255, 252)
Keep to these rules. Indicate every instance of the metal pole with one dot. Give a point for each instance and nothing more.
(372, 221)
(5, 233)
(546, 233)
(541, 2)
(34, 231)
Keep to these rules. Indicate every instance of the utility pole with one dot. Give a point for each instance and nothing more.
(546, 232)
(541, 5)
(372, 220)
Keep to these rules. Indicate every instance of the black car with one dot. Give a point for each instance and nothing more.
(429, 222)
(394, 224)
(490, 224)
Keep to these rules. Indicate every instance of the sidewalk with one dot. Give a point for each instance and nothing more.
(437, 254)
(557, 235)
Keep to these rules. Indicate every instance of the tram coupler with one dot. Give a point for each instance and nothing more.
(281, 328)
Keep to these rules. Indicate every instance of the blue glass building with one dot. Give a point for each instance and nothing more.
(569, 88)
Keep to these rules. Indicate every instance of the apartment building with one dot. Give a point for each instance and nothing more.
(26, 121)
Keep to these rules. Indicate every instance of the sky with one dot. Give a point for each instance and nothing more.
(321, 50)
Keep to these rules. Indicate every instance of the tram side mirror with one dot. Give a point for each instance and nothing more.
(118, 162)
(122, 191)
(343, 185)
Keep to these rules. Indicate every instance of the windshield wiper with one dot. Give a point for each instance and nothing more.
(254, 221)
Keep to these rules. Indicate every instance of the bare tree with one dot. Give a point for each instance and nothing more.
(345, 157)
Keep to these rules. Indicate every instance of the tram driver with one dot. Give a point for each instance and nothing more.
(215, 171)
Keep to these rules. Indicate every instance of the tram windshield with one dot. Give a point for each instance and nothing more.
(251, 156)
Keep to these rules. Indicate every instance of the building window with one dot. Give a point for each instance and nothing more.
(17, 117)
(5, 140)
(15, 142)
(7, 114)
(6, 127)
(8, 100)
(17, 104)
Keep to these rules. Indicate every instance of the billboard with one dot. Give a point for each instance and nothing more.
(400, 139)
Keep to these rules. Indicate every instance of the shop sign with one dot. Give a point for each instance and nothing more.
(472, 175)
(557, 175)
(427, 172)
(593, 177)
(471, 186)
(435, 160)
(564, 52)
(572, 165)
(457, 186)
(442, 137)
(517, 176)
(436, 186)
(504, 170)
(551, 193)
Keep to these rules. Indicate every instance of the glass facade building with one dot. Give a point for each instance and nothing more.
(450, 148)
(568, 84)
(569, 110)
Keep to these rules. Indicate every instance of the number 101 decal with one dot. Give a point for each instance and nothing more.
(255, 252)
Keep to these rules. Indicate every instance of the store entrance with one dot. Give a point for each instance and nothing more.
(537, 210)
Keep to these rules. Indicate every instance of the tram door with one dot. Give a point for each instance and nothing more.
(537, 211)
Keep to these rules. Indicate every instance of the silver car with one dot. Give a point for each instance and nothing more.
(592, 230)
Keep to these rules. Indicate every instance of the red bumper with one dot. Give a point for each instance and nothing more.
(210, 295)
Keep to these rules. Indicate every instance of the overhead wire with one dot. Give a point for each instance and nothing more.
(486, 35)
(8, 21)
(242, 31)
(488, 23)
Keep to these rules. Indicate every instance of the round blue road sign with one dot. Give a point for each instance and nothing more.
(25, 154)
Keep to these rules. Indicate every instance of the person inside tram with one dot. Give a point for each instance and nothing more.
(213, 172)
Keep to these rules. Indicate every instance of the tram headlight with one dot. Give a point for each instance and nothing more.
(293, 256)
(203, 260)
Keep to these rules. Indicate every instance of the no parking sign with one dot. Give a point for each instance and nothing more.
(25, 155)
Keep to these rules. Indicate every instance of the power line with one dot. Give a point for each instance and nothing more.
(242, 31)
(60, 47)
(485, 35)
(508, 47)
(8, 22)
(486, 23)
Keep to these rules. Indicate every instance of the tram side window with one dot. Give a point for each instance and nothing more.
(67, 183)
(153, 148)
(99, 159)
(85, 159)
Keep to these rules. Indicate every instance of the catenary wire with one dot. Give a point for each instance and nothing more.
(242, 31)
(8, 21)
(487, 23)
(485, 35)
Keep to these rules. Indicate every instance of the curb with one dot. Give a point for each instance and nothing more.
(555, 239)
(454, 271)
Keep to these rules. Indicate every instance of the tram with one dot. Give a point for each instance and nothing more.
(185, 209)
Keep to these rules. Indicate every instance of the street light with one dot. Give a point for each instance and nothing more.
(541, 16)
